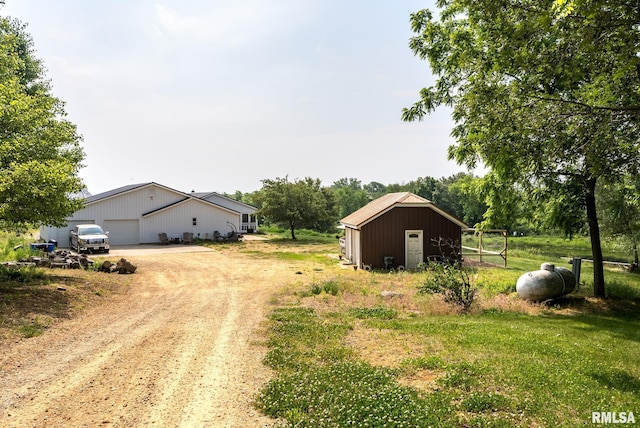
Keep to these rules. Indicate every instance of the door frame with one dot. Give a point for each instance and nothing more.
(407, 234)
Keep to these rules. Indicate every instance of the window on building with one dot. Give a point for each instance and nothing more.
(195, 221)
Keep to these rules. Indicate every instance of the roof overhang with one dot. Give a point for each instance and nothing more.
(429, 205)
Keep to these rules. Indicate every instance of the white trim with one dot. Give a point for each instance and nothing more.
(407, 234)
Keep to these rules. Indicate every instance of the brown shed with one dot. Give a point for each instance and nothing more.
(402, 226)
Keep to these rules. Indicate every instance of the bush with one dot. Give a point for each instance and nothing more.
(330, 287)
(452, 281)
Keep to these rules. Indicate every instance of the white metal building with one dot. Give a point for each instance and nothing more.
(248, 220)
(137, 213)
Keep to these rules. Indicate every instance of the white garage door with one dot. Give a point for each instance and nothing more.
(122, 232)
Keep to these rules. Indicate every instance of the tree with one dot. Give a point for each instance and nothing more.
(544, 93)
(298, 204)
(40, 154)
(349, 196)
(375, 189)
(465, 188)
(620, 211)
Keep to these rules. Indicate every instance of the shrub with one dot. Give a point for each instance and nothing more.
(452, 281)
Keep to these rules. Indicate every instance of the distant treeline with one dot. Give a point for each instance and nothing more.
(454, 194)
(478, 202)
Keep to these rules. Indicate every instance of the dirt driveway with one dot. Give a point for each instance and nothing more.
(180, 349)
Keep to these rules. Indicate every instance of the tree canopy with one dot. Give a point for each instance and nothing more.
(544, 93)
(40, 153)
(297, 204)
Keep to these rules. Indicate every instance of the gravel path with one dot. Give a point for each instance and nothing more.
(180, 350)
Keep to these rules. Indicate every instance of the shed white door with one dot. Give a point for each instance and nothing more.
(413, 248)
(122, 232)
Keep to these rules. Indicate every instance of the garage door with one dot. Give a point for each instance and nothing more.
(122, 232)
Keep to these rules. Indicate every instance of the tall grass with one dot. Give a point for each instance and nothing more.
(14, 247)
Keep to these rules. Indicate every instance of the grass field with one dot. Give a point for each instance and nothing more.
(346, 356)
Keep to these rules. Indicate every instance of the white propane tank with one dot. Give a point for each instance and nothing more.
(547, 283)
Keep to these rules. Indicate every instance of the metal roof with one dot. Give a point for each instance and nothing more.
(205, 195)
(131, 187)
(386, 202)
(110, 193)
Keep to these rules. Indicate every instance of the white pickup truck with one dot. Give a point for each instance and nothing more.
(88, 238)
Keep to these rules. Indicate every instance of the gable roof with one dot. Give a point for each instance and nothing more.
(206, 195)
(129, 188)
(377, 207)
(187, 200)
(109, 193)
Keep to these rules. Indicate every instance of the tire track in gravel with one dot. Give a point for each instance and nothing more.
(178, 351)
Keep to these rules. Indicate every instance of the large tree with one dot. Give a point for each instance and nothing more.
(544, 93)
(349, 195)
(620, 210)
(40, 153)
(297, 204)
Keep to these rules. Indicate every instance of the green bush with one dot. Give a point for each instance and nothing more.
(452, 281)
(330, 287)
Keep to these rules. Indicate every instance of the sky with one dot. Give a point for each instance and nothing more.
(212, 95)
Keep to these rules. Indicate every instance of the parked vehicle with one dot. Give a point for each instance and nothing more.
(88, 238)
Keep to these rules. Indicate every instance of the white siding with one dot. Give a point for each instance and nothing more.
(139, 215)
(348, 243)
(238, 206)
(130, 205)
(352, 245)
(179, 219)
(357, 246)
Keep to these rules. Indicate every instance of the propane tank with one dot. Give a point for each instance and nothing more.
(547, 283)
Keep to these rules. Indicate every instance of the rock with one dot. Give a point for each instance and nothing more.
(391, 294)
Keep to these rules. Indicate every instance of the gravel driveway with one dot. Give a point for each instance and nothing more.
(179, 350)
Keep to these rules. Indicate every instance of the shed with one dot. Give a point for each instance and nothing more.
(137, 213)
(402, 226)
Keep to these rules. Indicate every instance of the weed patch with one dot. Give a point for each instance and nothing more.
(34, 328)
(378, 312)
(351, 393)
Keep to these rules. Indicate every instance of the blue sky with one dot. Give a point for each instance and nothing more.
(219, 95)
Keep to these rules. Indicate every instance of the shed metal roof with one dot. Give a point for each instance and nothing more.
(386, 202)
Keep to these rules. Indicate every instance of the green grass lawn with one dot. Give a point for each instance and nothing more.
(548, 365)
